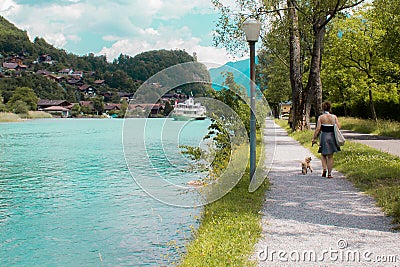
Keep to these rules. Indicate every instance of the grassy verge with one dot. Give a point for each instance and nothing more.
(374, 172)
(39, 115)
(382, 127)
(229, 229)
(9, 117)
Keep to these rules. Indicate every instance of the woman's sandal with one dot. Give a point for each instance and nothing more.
(324, 173)
(329, 175)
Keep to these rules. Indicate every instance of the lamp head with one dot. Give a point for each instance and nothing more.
(252, 28)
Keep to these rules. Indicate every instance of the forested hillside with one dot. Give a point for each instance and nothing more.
(38, 65)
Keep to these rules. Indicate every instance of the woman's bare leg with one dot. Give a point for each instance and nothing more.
(329, 161)
(324, 162)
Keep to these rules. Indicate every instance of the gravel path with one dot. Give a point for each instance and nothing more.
(309, 220)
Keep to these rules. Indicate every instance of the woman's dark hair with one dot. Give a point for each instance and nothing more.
(326, 106)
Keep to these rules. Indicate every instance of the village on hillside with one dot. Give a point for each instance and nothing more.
(95, 99)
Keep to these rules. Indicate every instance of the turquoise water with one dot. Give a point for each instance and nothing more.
(67, 197)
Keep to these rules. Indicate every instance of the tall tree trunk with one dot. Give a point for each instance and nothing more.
(371, 104)
(313, 94)
(295, 68)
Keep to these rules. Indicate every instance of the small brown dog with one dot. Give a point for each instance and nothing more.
(306, 165)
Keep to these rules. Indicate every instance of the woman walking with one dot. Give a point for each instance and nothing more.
(327, 142)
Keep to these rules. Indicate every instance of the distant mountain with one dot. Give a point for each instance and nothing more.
(13, 39)
(240, 70)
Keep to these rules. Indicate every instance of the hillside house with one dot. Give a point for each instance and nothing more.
(87, 90)
(45, 103)
(14, 66)
(108, 107)
(58, 111)
(77, 74)
(43, 72)
(75, 81)
(51, 76)
(55, 78)
(66, 71)
(45, 58)
(100, 82)
(16, 59)
(153, 108)
(10, 66)
(125, 96)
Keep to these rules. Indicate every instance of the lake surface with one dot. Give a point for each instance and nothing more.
(67, 196)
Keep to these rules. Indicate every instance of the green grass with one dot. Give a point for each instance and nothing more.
(229, 229)
(9, 117)
(39, 115)
(374, 172)
(382, 127)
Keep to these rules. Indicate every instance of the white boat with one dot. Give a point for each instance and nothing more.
(189, 110)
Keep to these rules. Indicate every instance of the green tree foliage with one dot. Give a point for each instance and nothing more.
(13, 40)
(98, 105)
(300, 19)
(43, 87)
(168, 108)
(76, 110)
(86, 110)
(24, 94)
(146, 64)
(386, 13)
(124, 107)
(120, 80)
(356, 62)
(223, 127)
(19, 107)
(273, 77)
(2, 107)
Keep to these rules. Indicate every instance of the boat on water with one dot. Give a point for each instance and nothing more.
(188, 110)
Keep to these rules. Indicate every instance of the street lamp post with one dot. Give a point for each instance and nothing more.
(252, 29)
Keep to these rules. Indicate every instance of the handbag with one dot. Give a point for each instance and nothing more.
(340, 140)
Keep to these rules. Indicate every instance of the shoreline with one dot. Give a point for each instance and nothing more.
(7, 117)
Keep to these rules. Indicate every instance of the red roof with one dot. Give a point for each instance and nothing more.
(153, 106)
(46, 102)
(84, 87)
(56, 108)
(111, 106)
(8, 65)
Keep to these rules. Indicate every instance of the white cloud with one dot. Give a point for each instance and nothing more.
(127, 23)
(111, 38)
(176, 8)
(170, 39)
(7, 6)
(149, 31)
(58, 39)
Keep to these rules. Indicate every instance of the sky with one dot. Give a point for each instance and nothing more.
(112, 27)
